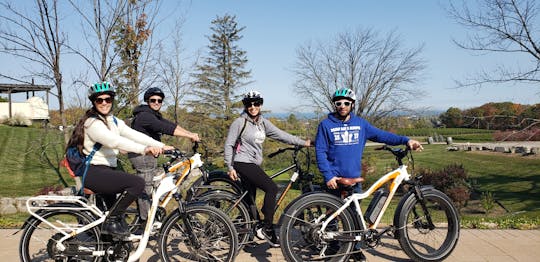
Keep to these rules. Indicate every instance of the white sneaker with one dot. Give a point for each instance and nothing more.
(259, 233)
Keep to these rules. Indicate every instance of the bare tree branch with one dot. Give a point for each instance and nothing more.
(37, 39)
(500, 26)
(379, 70)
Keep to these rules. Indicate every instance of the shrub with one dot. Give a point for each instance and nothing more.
(49, 189)
(521, 135)
(488, 201)
(452, 180)
(19, 120)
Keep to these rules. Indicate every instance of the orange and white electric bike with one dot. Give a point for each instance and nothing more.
(321, 226)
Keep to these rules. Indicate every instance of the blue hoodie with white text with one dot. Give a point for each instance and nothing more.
(339, 145)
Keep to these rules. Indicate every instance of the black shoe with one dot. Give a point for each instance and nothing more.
(115, 226)
(270, 235)
(360, 257)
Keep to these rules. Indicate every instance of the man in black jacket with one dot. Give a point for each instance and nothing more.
(148, 120)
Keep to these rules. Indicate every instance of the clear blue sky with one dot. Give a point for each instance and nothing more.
(275, 29)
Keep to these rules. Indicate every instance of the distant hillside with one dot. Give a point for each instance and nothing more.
(312, 115)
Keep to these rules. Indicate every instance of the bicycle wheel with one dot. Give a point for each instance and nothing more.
(215, 181)
(38, 240)
(420, 240)
(214, 237)
(235, 209)
(300, 236)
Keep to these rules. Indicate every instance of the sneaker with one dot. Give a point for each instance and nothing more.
(360, 257)
(270, 236)
(259, 232)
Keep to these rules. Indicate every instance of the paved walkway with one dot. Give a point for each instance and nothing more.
(473, 245)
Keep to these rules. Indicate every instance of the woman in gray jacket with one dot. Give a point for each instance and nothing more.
(243, 156)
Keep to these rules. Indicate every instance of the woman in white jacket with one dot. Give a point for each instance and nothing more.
(98, 125)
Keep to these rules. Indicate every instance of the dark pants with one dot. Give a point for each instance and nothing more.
(253, 177)
(146, 167)
(109, 182)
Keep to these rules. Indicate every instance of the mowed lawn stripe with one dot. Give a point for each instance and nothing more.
(20, 164)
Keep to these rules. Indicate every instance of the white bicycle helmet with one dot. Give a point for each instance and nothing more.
(252, 96)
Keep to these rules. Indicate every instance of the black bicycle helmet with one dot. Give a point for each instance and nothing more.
(153, 91)
(252, 96)
(100, 88)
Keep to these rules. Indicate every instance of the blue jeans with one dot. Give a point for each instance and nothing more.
(146, 167)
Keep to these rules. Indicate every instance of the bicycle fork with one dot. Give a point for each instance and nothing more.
(193, 239)
(420, 198)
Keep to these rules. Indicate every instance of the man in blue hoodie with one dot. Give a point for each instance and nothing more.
(340, 143)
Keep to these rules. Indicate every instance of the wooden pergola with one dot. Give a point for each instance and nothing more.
(20, 88)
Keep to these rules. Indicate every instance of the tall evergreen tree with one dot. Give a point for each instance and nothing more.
(222, 71)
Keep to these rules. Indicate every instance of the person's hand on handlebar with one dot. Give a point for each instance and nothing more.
(195, 137)
(414, 145)
(153, 150)
(232, 174)
(309, 143)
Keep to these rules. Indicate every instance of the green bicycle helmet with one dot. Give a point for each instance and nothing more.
(100, 88)
(344, 93)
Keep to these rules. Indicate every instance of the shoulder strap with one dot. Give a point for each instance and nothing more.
(115, 121)
(243, 128)
(87, 159)
(241, 131)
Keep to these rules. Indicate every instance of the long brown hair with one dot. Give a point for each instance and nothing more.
(77, 137)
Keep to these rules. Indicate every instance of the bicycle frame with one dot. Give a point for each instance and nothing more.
(294, 177)
(167, 186)
(394, 177)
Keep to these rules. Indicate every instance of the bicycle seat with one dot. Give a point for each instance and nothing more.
(350, 181)
(87, 191)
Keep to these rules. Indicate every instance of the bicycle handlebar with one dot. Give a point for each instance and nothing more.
(398, 152)
(281, 150)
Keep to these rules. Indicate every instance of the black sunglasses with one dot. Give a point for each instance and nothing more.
(255, 104)
(346, 103)
(153, 100)
(107, 100)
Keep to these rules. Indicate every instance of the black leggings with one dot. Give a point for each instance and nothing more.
(108, 182)
(254, 177)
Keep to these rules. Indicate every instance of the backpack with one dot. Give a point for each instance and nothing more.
(77, 163)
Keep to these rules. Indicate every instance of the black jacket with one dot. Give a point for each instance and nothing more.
(151, 122)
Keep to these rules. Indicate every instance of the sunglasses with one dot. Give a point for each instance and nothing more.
(100, 100)
(153, 100)
(338, 103)
(255, 104)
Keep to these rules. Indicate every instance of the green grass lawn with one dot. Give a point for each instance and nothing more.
(23, 170)
(514, 180)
